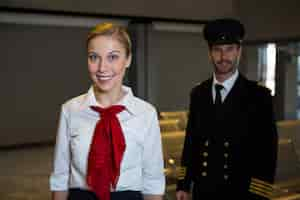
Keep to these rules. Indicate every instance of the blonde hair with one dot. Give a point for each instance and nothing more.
(114, 30)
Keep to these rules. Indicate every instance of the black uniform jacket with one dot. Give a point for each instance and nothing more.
(230, 151)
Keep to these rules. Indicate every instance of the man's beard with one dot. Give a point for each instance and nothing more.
(220, 70)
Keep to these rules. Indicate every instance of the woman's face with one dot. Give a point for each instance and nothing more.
(107, 63)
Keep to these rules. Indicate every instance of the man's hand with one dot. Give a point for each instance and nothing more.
(182, 195)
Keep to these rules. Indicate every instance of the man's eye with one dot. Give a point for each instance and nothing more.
(93, 57)
(215, 49)
(229, 49)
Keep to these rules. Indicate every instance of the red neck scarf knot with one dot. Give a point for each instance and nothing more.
(106, 152)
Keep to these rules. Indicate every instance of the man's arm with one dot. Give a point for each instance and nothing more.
(184, 177)
(265, 151)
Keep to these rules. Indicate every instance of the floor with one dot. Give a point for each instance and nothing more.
(24, 173)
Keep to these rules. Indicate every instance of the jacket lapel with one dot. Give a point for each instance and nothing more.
(236, 95)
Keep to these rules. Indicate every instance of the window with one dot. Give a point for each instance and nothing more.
(267, 63)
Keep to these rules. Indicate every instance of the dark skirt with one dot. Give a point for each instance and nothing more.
(80, 194)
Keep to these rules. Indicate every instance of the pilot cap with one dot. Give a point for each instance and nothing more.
(224, 31)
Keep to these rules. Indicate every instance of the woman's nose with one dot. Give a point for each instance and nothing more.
(102, 66)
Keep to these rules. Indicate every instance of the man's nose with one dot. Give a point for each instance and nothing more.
(223, 55)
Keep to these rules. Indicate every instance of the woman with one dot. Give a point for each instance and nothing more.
(108, 143)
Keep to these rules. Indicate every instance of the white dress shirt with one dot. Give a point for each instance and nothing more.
(142, 163)
(227, 84)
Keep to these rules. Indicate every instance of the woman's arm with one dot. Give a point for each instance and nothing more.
(153, 167)
(59, 195)
(59, 178)
(152, 197)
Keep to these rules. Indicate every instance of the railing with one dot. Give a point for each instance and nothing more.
(287, 180)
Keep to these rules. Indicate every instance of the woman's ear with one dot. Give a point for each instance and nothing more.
(128, 61)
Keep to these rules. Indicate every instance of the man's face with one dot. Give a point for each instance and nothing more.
(225, 58)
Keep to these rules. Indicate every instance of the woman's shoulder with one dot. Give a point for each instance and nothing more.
(137, 104)
(74, 103)
(142, 105)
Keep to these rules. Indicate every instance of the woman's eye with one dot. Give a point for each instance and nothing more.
(93, 57)
(112, 57)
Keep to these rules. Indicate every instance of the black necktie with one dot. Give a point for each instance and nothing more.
(218, 100)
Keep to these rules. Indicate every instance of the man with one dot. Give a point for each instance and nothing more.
(230, 147)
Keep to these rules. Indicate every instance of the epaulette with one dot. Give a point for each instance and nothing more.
(261, 84)
(264, 87)
(198, 83)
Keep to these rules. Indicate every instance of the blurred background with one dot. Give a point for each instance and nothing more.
(43, 63)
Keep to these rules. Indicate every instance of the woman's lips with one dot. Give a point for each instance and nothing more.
(104, 77)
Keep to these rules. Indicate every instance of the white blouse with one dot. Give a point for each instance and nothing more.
(142, 164)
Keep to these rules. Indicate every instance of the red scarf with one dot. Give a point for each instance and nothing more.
(106, 152)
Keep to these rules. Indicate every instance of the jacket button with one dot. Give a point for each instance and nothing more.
(226, 155)
(226, 176)
(206, 143)
(204, 173)
(226, 144)
(204, 164)
(205, 154)
(225, 166)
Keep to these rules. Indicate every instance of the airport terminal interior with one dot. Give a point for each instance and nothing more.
(43, 64)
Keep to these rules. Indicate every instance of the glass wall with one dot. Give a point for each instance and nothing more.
(298, 85)
(278, 68)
